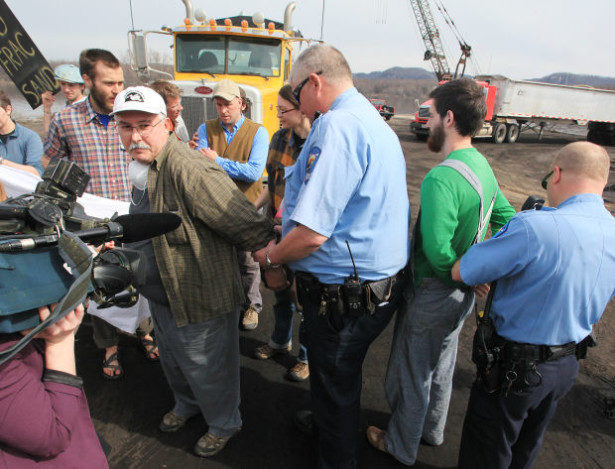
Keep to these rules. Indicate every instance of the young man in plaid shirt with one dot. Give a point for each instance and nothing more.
(86, 133)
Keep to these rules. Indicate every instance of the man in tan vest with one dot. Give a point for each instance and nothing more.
(240, 146)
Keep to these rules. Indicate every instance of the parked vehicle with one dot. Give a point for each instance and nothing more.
(383, 108)
(513, 106)
(255, 52)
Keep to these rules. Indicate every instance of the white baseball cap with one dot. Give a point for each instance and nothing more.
(139, 98)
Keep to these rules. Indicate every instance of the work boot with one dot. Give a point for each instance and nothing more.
(171, 422)
(266, 351)
(210, 444)
(299, 372)
(249, 321)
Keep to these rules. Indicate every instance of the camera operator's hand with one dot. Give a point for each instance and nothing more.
(60, 339)
(62, 329)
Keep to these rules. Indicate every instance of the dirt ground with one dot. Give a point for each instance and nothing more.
(127, 413)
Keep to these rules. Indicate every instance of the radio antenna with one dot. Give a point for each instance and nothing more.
(356, 275)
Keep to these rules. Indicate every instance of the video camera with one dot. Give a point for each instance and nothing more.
(42, 250)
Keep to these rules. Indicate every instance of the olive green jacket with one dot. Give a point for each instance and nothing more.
(198, 262)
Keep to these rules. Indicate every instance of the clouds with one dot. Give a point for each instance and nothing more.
(520, 39)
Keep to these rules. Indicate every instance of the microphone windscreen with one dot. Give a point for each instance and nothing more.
(140, 226)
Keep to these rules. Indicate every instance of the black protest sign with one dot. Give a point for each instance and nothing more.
(22, 61)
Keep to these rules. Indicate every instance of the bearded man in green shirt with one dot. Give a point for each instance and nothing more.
(459, 200)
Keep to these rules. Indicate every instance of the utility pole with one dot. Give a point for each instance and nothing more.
(322, 19)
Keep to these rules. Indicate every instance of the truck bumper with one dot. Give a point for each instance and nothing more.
(419, 128)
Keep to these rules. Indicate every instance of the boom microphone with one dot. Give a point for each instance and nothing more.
(127, 228)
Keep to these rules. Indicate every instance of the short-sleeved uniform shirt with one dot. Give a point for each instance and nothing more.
(349, 184)
(555, 270)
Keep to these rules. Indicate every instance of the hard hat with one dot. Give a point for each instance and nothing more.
(68, 73)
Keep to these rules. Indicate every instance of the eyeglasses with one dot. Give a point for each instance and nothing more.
(297, 90)
(281, 111)
(142, 129)
(544, 181)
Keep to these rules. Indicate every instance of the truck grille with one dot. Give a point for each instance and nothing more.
(197, 110)
(424, 112)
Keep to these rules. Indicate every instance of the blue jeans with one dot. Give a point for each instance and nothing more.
(506, 431)
(282, 335)
(338, 346)
(201, 364)
(420, 374)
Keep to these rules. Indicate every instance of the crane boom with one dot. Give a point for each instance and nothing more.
(431, 38)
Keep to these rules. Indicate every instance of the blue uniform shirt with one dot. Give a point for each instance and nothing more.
(253, 169)
(555, 270)
(23, 146)
(349, 183)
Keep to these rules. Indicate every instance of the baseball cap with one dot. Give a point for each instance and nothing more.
(139, 98)
(227, 89)
(68, 73)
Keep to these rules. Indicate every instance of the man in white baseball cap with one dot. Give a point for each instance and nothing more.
(192, 278)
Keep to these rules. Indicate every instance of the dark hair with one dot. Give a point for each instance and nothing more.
(4, 100)
(245, 101)
(466, 99)
(90, 57)
(166, 89)
(286, 93)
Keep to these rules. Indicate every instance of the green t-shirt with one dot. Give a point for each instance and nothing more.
(450, 212)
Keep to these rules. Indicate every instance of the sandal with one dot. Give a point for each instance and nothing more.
(108, 364)
(150, 348)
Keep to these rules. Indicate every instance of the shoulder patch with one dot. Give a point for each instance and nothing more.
(312, 159)
(502, 230)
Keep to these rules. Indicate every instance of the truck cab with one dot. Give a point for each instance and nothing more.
(254, 52)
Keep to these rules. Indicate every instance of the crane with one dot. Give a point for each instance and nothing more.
(431, 38)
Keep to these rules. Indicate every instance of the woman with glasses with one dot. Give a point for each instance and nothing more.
(286, 144)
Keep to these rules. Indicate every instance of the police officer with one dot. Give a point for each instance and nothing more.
(348, 185)
(555, 272)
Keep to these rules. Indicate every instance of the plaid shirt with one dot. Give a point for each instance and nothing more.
(76, 133)
(198, 262)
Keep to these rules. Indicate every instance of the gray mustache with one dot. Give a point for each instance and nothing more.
(139, 146)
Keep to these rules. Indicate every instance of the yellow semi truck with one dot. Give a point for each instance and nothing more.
(255, 52)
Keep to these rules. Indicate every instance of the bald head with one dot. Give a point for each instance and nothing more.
(584, 160)
(322, 58)
(578, 168)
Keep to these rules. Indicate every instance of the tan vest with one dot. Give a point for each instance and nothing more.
(238, 150)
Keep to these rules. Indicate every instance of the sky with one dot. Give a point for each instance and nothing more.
(520, 39)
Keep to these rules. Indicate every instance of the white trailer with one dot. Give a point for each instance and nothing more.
(514, 105)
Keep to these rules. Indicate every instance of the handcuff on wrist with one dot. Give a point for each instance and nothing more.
(269, 264)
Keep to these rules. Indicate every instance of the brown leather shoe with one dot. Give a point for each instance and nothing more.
(210, 444)
(299, 372)
(266, 351)
(249, 322)
(171, 422)
(375, 436)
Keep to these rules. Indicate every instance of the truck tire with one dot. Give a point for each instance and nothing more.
(512, 133)
(499, 132)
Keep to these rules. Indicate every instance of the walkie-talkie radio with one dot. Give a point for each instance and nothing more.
(352, 291)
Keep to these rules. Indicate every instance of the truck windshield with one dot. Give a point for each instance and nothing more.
(228, 55)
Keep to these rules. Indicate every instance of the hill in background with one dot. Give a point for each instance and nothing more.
(398, 73)
(562, 78)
